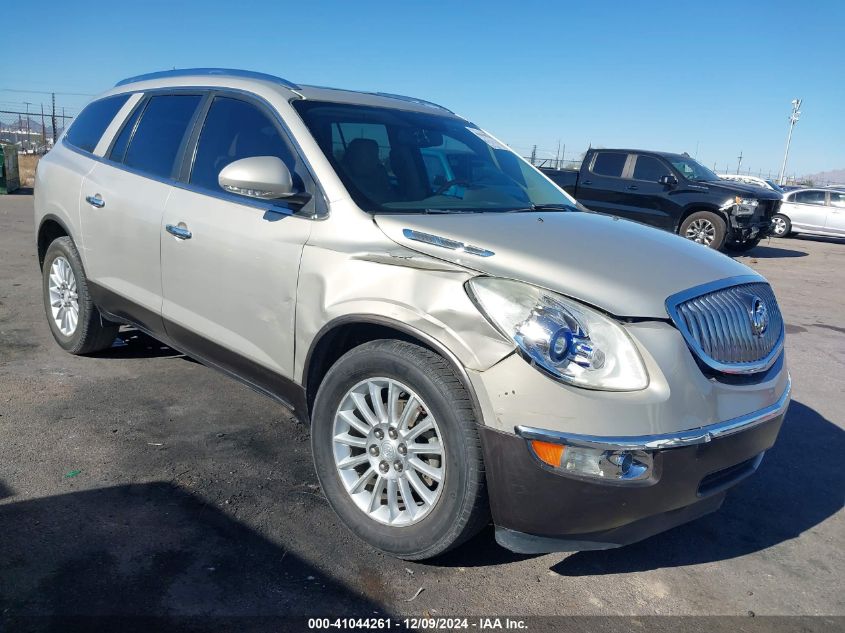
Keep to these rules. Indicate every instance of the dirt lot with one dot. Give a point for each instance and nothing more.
(140, 483)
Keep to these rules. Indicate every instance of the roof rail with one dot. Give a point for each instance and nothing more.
(412, 100)
(185, 72)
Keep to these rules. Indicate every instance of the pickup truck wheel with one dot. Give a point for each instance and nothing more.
(742, 246)
(397, 452)
(781, 226)
(74, 320)
(704, 227)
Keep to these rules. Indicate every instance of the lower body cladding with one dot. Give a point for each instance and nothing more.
(610, 492)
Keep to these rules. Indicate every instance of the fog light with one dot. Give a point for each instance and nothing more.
(598, 463)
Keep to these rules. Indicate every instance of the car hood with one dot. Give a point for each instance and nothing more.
(625, 268)
(733, 188)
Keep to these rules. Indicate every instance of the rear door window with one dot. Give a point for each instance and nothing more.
(235, 129)
(89, 126)
(609, 164)
(158, 137)
(809, 197)
(650, 169)
(118, 150)
(837, 199)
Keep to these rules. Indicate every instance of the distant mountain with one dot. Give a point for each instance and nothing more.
(832, 177)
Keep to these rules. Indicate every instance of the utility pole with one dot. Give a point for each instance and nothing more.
(793, 119)
(28, 137)
(43, 129)
(54, 118)
(557, 156)
(533, 154)
(739, 163)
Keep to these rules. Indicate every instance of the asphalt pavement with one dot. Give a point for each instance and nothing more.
(137, 482)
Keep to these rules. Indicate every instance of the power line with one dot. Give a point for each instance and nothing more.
(48, 92)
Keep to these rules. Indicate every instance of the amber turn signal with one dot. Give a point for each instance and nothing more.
(549, 453)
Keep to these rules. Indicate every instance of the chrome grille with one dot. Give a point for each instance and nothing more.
(719, 325)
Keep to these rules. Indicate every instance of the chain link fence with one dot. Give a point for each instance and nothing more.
(32, 133)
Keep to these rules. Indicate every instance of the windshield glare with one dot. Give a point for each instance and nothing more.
(693, 170)
(392, 160)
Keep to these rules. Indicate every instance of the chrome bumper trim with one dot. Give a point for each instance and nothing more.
(680, 439)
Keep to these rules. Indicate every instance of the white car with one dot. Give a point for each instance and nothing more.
(811, 211)
(752, 180)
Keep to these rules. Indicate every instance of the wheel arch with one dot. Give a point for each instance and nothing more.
(346, 332)
(698, 206)
(50, 228)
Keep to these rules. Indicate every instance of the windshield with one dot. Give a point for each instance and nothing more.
(692, 170)
(392, 160)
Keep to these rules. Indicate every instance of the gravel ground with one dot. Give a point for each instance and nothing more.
(140, 483)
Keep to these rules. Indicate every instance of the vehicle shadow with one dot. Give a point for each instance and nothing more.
(153, 557)
(827, 239)
(132, 343)
(763, 251)
(784, 499)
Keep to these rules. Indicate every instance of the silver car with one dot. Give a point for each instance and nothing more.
(811, 211)
(465, 342)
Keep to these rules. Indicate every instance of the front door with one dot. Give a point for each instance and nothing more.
(645, 199)
(807, 209)
(230, 263)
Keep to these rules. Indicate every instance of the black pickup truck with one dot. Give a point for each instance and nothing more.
(672, 192)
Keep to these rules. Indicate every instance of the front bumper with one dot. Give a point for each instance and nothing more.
(539, 509)
(757, 225)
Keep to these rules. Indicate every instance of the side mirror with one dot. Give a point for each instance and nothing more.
(669, 180)
(263, 177)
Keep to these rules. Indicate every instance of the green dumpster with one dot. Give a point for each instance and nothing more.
(9, 177)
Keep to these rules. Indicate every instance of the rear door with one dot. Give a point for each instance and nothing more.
(644, 198)
(601, 187)
(123, 202)
(836, 213)
(807, 209)
(230, 280)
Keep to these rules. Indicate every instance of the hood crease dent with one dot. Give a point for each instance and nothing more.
(622, 267)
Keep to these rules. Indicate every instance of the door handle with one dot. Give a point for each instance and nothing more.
(632, 187)
(95, 201)
(179, 231)
(587, 182)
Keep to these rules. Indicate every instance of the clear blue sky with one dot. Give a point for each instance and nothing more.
(714, 75)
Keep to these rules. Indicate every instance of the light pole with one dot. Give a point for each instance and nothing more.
(793, 119)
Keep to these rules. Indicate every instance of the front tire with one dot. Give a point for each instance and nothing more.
(781, 225)
(74, 320)
(706, 228)
(397, 452)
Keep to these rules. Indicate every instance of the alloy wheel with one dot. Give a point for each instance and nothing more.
(779, 226)
(701, 231)
(64, 300)
(389, 452)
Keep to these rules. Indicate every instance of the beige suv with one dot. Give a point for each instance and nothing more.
(466, 343)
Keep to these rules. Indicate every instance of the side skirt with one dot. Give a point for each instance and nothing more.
(257, 377)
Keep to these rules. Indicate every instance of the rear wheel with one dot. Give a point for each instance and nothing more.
(397, 452)
(74, 320)
(781, 226)
(704, 227)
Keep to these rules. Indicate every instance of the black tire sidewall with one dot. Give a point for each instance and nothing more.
(430, 533)
(718, 223)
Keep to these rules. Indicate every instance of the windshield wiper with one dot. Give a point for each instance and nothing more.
(544, 207)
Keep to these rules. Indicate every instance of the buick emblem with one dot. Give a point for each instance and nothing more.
(759, 317)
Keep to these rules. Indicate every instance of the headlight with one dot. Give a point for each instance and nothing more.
(573, 343)
(744, 206)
